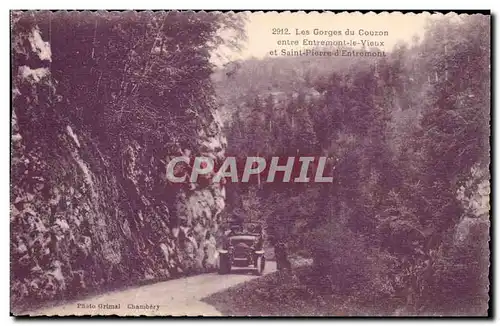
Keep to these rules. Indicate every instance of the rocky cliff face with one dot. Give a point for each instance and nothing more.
(79, 223)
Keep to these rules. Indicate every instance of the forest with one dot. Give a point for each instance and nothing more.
(406, 218)
(101, 102)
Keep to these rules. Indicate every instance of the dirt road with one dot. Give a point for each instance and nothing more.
(180, 297)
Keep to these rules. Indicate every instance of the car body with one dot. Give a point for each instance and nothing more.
(242, 249)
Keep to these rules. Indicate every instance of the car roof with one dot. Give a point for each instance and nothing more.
(244, 236)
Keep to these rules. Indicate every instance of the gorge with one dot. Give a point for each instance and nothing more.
(90, 206)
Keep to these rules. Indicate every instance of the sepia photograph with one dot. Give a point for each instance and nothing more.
(250, 163)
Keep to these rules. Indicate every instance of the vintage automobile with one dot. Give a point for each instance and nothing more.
(242, 249)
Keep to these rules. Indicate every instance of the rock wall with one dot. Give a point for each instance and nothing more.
(79, 224)
(474, 196)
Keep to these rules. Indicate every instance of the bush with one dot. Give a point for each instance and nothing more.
(459, 284)
(343, 262)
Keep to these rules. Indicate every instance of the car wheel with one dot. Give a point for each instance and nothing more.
(224, 265)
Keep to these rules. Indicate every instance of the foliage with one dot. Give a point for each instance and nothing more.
(406, 131)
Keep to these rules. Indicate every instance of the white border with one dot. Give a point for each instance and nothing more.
(253, 5)
(186, 4)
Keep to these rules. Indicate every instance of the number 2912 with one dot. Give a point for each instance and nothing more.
(280, 31)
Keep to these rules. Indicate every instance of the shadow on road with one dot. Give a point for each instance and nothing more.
(242, 270)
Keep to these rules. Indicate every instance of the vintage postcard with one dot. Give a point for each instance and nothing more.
(207, 163)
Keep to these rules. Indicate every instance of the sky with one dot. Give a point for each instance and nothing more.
(261, 41)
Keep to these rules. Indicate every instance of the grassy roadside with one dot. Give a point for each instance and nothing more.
(291, 294)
